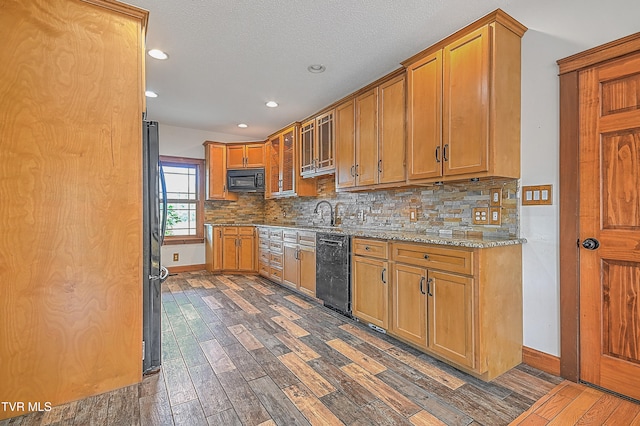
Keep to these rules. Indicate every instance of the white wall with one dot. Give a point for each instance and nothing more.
(557, 29)
(183, 142)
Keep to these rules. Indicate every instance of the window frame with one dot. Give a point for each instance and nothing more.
(166, 160)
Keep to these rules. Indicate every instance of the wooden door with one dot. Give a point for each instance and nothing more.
(370, 291)
(408, 311)
(307, 270)
(307, 151)
(451, 317)
(290, 265)
(216, 161)
(466, 104)
(229, 252)
(367, 138)
(610, 214)
(246, 252)
(391, 133)
(345, 145)
(424, 110)
(254, 155)
(235, 156)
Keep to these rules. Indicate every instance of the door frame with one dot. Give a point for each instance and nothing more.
(569, 193)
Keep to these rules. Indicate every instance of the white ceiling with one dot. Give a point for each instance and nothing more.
(228, 57)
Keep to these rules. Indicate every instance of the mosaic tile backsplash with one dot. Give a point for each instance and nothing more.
(440, 208)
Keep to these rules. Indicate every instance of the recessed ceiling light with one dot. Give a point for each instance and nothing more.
(242, 126)
(271, 104)
(150, 94)
(316, 68)
(157, 54)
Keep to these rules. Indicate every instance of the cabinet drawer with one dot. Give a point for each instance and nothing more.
(229, 230)
(275, 274)
(263, 243)
(290, 236)
(371, 248)
(263, 256)
(263, 233)
(275, 234)
(457, 260)
(245, 230)
(263, 269)
(307, 238)
(275, 246)
(275, 259)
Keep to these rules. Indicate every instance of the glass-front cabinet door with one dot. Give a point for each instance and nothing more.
(307, 149)
(325, 152)
(288, 169)
(273, 155)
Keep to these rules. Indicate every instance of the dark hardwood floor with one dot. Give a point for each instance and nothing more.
(240, 350)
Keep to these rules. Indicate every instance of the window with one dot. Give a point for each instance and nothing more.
(185, 199)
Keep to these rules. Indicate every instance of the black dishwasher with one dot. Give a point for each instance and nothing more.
(333, 271)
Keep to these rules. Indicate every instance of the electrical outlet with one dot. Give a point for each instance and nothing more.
(480, 216)
(361, 215)
(495, 216)
(176, 257)
(413, 215)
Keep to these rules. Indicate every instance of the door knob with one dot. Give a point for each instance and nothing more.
(591, 244)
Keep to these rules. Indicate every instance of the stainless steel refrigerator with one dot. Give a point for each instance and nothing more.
(154, 223)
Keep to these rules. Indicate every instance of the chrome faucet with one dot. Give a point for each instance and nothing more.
(333, 220)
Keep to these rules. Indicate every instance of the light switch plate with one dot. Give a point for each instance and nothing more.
(496, 197)
(480, 216)
(413, 215)
(537, 195)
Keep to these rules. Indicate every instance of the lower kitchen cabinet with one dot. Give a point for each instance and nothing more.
(213, 248)
(451, 317)
(370, 300)
(238, 248)
(409, 304)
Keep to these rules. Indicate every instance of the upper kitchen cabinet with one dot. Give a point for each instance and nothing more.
(245, 155)
(375, 156)
(464, 104)
(216, 172)
(282, 177)
(317, 145)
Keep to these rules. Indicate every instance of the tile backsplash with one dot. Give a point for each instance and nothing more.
(440, 208)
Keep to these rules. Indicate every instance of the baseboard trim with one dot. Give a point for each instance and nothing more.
(186, 268)
(542, 361)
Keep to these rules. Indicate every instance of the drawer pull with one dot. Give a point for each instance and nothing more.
(384, 280)
(426, 256)
(367, 248)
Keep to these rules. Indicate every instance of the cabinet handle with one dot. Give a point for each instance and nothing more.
(426, 256)
(422, 285)
(437, 154)
(367, 248)
(444, 152)
(352, 171)
(379, 166)
(220, 231)
(297, 255)
(224, 189)
(429, 282)
(384, 280)
(357, 170)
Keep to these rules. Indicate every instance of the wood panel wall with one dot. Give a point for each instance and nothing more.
(71, 99)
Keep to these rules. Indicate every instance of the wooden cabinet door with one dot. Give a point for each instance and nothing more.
(216, 165)
(408, 310)
(217, 248)
(235, 156)
(370, 290)
(229, 252)
(307, 151)
(290, 265)
(466, 104)
(424, 118)
(367, 138)
(246, 252)
(273, 177)
(391, 133)
(325, 143)
(345, 145)
(307, 270)
(288, 162)
(254, 155)
(451, 317)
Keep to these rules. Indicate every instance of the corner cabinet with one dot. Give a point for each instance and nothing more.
(317, 146)
(463, 104)
(374, 157)
(216, 172)
(282, 176)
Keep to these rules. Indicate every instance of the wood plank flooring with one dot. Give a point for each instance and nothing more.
(240, 350)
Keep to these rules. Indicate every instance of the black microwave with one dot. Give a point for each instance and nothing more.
(245, 180)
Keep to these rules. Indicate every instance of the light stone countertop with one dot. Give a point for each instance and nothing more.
(409, 236)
